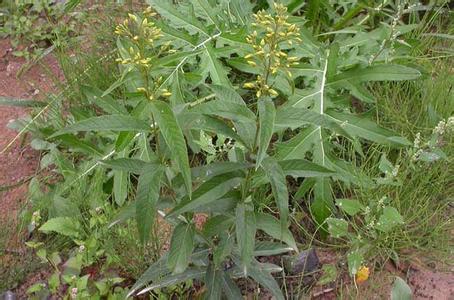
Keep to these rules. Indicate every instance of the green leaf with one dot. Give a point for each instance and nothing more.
(147, 196)
(354, 260)
(213, 282)
(172, 280)
(337, 227)
(120, 184)
(181, 247)
(7, 101)
(267, 114)
(177, 34)
(120, 187)
(208, 192)
(349, 206)
(169, 11)
(264, 278)
(174, 139)
(223, 249)
(384, 72)
(389, 219)
(303, 168)
(231, 290)
(218, 74)
(401, 290)
(267, 248)
(323, 203)
(273, 227)
(106, 103)
(155, 272)
(62, 225)
(245, 233)
(278, 182)
(246, 129)
(106, 123)
(363, 127)
(126, 164)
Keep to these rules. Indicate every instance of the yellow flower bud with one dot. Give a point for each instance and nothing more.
(273, 92)
(132, 17)
(251, 63)
(141, 89)
(249, 85)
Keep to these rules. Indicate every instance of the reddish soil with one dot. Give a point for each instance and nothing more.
(18, 161)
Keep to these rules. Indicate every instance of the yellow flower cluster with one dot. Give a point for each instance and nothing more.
(139, 31)
(136, 58)
(272, 32)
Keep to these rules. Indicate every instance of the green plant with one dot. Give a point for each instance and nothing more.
(213, 110)
(34, 26)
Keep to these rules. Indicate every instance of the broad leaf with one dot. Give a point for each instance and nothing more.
(349, 206)
(62, 225)
(389, 219)
(337, 227)
(401, 290)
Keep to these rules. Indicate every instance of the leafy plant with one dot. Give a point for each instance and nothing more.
(235, 115)
(34, 25)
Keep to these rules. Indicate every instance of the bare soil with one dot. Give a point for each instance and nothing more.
(18, 161)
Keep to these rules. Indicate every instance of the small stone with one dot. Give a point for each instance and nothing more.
(8, 295)
(305, 262)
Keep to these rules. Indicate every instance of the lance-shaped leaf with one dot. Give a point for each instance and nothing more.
(278, 182)
(181, 247)
(106, 123)
(245, 233)
(296, 168)
(213, 282)
(120, 186)
(229, 110)
(267, 114)
(384, 72)
(208, 192)
(361, 126)
(125, 164)
(264, 278)
(174, 139)
(147, 196)
(7, 101)
(272, 226)
(323, 203)
(171, 280)
(231, 290)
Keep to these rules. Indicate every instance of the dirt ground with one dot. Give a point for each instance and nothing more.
(17, 163)
(20, 162)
